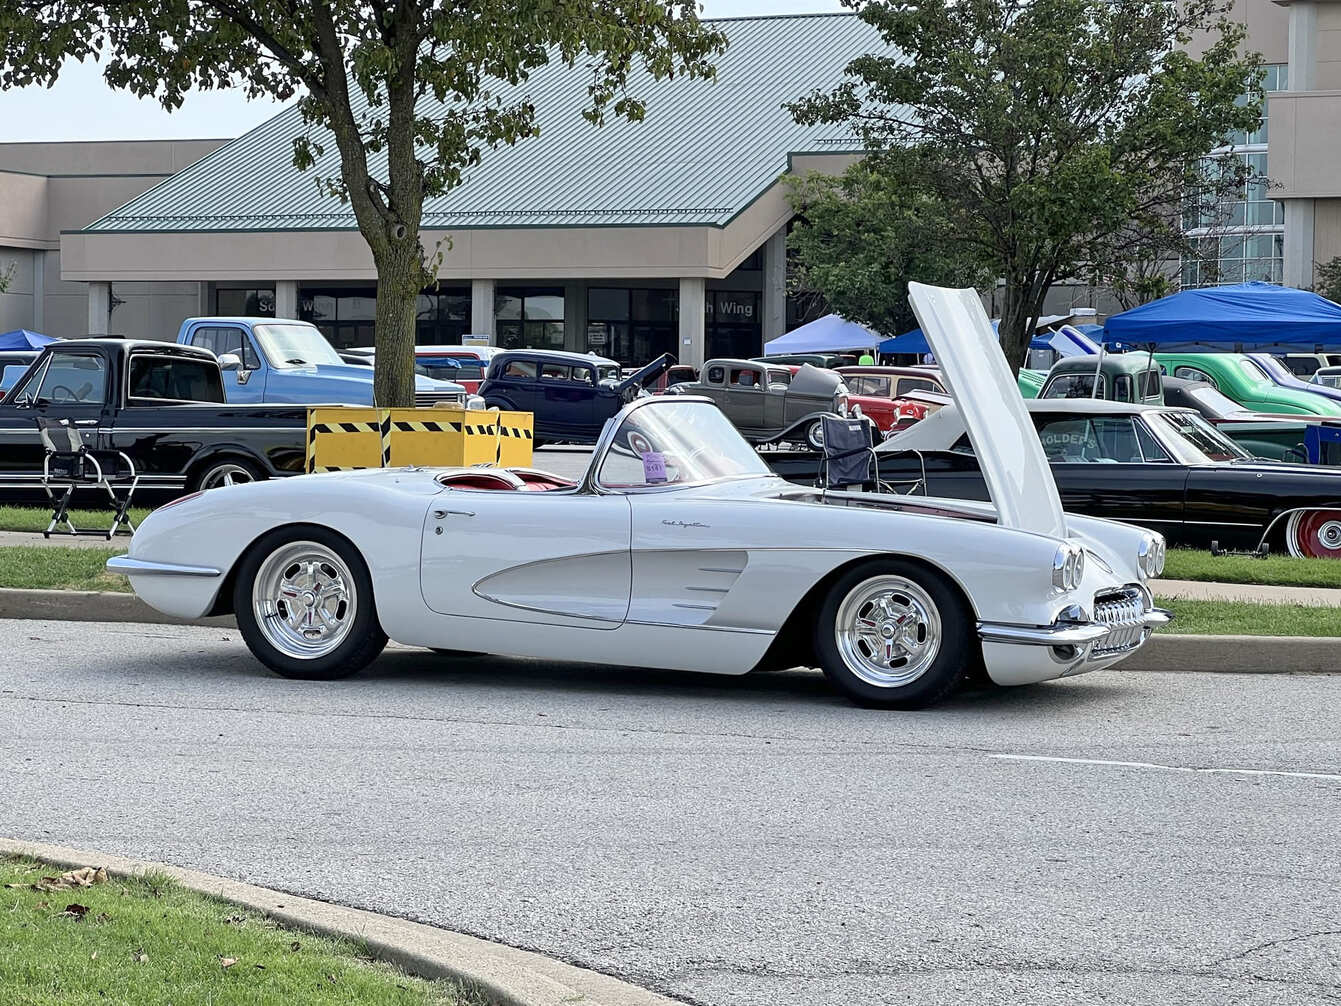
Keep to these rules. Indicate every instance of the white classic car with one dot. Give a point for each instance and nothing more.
(678, 549)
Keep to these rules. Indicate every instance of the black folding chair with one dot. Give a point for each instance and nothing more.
(849, 453)
(83, 467)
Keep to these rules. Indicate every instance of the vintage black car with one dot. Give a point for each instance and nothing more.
(570, 394)
(1163, 468)
(160, 403)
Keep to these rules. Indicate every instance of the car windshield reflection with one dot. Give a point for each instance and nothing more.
(674, 442)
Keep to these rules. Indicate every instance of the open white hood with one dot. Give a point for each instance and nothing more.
(998, 425)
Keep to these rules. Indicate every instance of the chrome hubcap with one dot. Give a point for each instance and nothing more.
(888, 631)
(304, 599)
(226, 475)
(1330, 534)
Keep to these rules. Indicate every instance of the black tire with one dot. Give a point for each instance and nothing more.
(953, 658)
(361, 641)
(215, 473)
(815, 435)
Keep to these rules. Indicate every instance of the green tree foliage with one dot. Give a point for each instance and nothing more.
(1328, 279)
(858, 238)
(409, 92)
(1058, 137)
(7, 275)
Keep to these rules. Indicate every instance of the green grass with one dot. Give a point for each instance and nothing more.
(31, 518)
(52, 567)
(149, 942)
(1244, 618)
(1276, 570)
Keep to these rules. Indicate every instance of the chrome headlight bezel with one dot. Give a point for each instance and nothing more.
(1068, 567)
(1150, 556)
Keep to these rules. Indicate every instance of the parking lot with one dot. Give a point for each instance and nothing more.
(1122, 837)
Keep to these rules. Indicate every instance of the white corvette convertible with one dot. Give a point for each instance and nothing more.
(678, 549)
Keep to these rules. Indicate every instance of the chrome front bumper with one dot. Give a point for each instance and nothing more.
(140, 567)
(1121, 623)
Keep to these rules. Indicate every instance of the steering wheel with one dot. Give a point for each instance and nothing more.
(70, 396)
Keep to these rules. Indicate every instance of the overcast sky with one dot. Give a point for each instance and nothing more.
(82, 107)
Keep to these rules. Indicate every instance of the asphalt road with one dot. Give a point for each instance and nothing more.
(742, 842)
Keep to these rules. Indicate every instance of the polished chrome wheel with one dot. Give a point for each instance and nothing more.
(226, 475)
(888, 631)
(1314, 534)
(304, 599)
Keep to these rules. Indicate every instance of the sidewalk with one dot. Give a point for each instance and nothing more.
(8, 539)
(1197, 590)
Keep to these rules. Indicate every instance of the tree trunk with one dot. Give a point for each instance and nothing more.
(1014, 327)
(398, 283)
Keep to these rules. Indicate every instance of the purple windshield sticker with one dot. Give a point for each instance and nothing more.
(654, 467)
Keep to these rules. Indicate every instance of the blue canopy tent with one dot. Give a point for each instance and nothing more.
(830, 334)
(21, 338)
(1245, 316)
(916, 342)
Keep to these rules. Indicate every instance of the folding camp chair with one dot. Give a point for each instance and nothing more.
(82, 467)
(849, 453)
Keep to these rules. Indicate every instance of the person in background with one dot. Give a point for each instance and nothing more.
(866, 360)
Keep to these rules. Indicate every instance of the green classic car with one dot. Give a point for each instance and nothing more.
(1237, 376)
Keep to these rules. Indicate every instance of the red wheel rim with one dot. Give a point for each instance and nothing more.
(1317, 534)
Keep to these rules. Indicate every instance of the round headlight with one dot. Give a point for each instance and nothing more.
(1159, 552)
(1069, 571)
(1080, 567)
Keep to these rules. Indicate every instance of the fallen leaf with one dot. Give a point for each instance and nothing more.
(102, 917)
(259, 967)
(15, 887)
(85, 876)
(235, 920)
(75, 911)
(227, 962)
(139, 956)
(93, 956)
(294, 946)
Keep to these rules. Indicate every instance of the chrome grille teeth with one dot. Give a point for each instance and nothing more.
(1123, 612)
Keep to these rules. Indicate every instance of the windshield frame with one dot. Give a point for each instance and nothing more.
(1183, 449)
(261, 333)
(591, 482)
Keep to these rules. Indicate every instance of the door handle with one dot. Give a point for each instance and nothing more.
(453, 513)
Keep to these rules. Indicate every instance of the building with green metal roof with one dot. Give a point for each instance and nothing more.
(628, 239)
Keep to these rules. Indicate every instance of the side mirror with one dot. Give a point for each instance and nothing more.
(230, 361)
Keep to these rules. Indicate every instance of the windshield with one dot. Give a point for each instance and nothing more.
(295, 346)
(1197, 440)
(1075, 386)
(671, 442)
(1327, 380)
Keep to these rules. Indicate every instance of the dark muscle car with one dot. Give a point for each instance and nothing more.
(1164, 468)
(162, 404)
(570, 394)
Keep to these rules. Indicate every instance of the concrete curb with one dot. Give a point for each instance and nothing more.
(92, 606)
(1168, 651)
(510, 977)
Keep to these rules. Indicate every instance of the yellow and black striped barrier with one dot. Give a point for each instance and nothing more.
(345, 438)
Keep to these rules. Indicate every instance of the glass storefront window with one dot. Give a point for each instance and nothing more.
(346, 316)
(632, 326)
(530, 317)
(249, 303)
(734, 330)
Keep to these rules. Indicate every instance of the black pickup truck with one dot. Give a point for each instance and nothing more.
(160, 403)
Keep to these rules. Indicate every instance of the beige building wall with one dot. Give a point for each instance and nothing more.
(48, 188)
